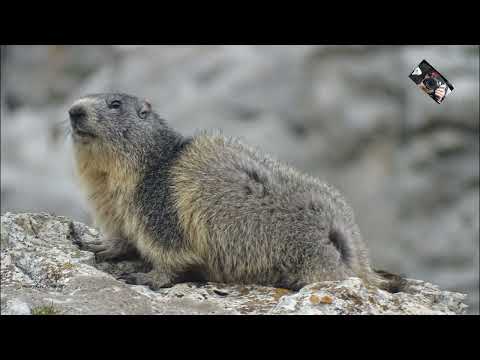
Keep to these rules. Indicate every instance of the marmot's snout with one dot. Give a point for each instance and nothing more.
(79, 121)
(78, 115)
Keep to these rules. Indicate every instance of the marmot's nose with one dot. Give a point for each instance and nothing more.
(77, 113)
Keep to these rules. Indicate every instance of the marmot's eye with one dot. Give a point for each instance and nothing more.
(115, 104)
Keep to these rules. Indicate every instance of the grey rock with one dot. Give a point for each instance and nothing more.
(16, 307)
(43, 270)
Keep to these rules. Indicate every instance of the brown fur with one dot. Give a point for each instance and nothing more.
(225, 210)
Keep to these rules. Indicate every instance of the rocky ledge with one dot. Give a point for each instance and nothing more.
(43, 271)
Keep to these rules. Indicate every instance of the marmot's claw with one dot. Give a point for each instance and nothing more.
(104, 255)
(136, 278)
(153, 280)
(93, 246)
(99, 248)
(110, 249)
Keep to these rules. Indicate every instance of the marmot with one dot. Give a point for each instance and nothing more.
(208, 207)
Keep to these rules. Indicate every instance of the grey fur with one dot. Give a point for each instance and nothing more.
(251, 219)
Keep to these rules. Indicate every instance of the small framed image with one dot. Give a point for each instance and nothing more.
(430, 81)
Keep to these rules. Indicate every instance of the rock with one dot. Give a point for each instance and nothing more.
(352, 297)
(16, 307)
(44, 271)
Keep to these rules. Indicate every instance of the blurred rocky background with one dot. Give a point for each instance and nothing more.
(347, 114)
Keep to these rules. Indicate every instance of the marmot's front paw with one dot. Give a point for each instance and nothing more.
(109, 249)
(92, 246)
(108, 252)
(152, 279)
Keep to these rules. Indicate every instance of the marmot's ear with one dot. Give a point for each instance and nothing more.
(145, 109)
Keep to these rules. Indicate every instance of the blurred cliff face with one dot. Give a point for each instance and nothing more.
(347, 114)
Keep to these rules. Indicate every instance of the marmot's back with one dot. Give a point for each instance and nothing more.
(252, 217)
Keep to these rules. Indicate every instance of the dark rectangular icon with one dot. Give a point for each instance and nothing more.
(431, 81)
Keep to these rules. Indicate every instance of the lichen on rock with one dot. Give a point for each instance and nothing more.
(43, 271)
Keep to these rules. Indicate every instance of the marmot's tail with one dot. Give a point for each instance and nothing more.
(382, 279)
(391, 282)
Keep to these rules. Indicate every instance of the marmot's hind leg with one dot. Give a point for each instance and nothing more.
(316, 262)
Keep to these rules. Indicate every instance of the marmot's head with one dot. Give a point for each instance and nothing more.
(113, 121)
